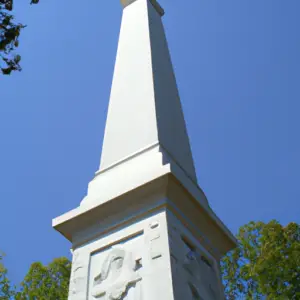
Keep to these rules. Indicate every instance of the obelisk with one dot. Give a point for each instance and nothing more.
(145, 230)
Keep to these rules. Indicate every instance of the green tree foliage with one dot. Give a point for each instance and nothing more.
(46, 282)
(266, 265)
(9, 38)
(5, 290)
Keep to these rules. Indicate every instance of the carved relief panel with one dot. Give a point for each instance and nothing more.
(115, 272)
(79, 273)
(128, 264)
(193, 268)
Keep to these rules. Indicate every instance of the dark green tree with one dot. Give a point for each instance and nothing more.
(266, 265)
(9, 38)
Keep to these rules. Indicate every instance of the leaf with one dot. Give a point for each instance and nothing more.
(9, 35)
(17, 59)
(6, 71)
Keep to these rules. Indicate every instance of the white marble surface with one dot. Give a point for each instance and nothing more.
(132, 263)
(144, 106)
(145, 230)
(154, 257)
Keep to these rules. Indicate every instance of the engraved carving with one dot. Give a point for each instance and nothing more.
(155, 242)
(155, 247)
(154, 224)
(175, 242)
(199, 270)
(202, 272)
(77, 275)
(119, 272)
(195, 293)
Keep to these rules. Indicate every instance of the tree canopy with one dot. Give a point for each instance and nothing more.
(46, 282)
(266, 265)
(42, 282)
(10, 31)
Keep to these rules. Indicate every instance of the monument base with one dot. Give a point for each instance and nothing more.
(154, 242)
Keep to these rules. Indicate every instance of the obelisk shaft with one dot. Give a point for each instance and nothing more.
(144, 107)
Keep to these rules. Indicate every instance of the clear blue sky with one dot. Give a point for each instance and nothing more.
(237, 64)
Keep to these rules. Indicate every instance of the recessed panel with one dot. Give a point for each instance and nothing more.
(116, 271)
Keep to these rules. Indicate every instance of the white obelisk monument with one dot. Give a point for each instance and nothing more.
(145, 230)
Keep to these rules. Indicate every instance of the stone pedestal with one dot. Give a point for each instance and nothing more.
(154, 242)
